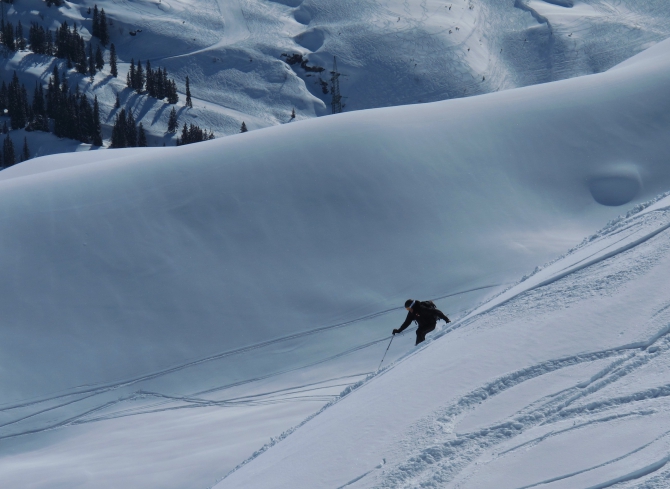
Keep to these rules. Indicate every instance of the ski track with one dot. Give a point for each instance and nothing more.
(436, 462)
(450, 461)
(440, 464)
(444, 461)
(76, 397)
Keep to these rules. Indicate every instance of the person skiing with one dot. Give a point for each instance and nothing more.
(425, 314)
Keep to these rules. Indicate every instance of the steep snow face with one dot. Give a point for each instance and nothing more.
(390, 52)
(195, 286)
(561, 381)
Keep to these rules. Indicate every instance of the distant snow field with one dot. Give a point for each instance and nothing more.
(389, 52)
(214, 315)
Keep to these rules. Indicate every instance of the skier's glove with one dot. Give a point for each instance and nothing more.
(447, 320)
(395, 331)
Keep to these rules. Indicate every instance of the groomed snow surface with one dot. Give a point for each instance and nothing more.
(167, 312)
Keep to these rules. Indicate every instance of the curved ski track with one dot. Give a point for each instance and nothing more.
(442, 458)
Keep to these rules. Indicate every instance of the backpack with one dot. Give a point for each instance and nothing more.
(428, 305)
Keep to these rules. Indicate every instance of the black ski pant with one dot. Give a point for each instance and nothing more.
(422, 331)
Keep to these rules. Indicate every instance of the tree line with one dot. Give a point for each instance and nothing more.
(156, 82)
(126, 133)
(72, 115)
(65, 43)
(99, 29)
(193, 134)
(8, 153)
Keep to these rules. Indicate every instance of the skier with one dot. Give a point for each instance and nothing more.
(426, 316)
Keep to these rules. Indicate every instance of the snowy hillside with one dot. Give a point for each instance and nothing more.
(561, 382)
(166, 311)
(391, 52)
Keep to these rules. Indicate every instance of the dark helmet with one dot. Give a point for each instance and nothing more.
(408, 303)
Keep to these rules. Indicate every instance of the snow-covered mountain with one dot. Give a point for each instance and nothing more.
(390, 52)
(166, 311)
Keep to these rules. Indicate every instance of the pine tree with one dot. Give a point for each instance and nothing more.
(4, 101)
(293, 114)
(91, 61)
(166, 85)
(17, 103)
(38, 100)
(151, 85)
(172, 96)
(112, 61)
(141, 137)
(20, 40)
(131, 131)
(26, 106)
(53, 95)
(131, 77)
(99, 60)
(157, 83)
(119, 130)
(8, 155)
(81, 59)
(25, 154)
(40, 119)
(244, 127)
(96, 22)
(83, 127)
(189, 102)
(139, 77)
(59, 107)
(104, 33)
(184, 136)
(8, 36)
(173, 123)
(51, 47)
(96, 133)
(117, 104)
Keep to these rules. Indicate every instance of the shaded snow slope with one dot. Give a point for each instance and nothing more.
(170, 295)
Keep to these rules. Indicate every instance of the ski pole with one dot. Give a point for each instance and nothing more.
(387, 350)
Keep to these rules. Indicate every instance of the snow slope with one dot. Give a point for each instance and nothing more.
(166, 311)
(392, 52)
(560, 382)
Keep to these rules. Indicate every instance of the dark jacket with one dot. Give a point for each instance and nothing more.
(425, 317)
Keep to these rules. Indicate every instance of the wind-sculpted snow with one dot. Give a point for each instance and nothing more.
(202, 300)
